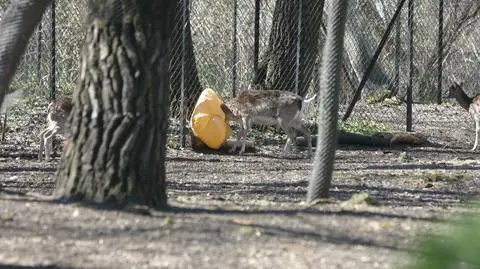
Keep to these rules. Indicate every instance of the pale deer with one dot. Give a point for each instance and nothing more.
(471, 104)
(268, 107)
(57, 115)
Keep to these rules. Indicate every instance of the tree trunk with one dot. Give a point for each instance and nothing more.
(193, 87)
(18, 23)
(320, 180)
(116, 152)
(277, 69)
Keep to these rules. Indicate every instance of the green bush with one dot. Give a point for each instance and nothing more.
(458, 248)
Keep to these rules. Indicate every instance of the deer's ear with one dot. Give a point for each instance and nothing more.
(226, 110)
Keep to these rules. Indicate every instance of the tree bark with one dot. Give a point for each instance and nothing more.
(119, 121)
(277, 69)
(192, 84)
(332, 61)
(18, 23)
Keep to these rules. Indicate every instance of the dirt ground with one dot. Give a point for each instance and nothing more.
(242, 211)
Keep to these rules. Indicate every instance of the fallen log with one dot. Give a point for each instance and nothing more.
(380, 139)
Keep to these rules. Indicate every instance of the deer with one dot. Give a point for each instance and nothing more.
(268, 107)
(471, 104)
(57, 116)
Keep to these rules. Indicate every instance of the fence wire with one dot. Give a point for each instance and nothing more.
(213, 46)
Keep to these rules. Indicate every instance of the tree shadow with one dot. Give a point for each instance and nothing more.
(191, 222)
(13, 266)
(293, 191)
(417, 166)
(27, 169)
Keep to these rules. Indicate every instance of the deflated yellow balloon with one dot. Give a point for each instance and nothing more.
(208, 120)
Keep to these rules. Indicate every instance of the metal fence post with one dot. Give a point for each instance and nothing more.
(410, 70)
(182, 79)
(52, 82)
(234, 49)
(39, 54)
(299, 37)
(256, 37)
(440, 52)
(396, 79)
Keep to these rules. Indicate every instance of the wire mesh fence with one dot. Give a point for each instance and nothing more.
(230, 45)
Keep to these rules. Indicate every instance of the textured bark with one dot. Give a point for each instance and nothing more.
(120, 117)
(332, 61)
(192, 84)
(17, 25)
(278, 66)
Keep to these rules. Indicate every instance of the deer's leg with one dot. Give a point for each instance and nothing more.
(287, 129)
(4, 128)
(306, 133)
(246, 128)
(477, 130)
(48, 144)
(42, 142)
(237, 142)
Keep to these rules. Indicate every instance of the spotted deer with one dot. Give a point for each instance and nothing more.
(268, 107)
(57, 115)
(471, 104)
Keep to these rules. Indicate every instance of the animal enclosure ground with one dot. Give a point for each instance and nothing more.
(238, 211)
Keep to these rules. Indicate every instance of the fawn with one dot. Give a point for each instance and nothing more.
(57, 115)
(268, 107)
(471, 104)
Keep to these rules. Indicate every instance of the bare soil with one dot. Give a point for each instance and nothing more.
(243, 211)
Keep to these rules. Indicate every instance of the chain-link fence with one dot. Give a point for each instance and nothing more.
(229, 45)
(384, 97)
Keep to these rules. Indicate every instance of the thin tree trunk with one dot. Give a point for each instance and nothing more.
(321, 177)
(120, 117)
(277, 69)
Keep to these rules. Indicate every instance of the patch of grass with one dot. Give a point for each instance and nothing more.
(380, 97)
(362, 198)
(445, 177)
(365, 127)
(449, 103)
(375, 97)
(404, 157)
(65, 89)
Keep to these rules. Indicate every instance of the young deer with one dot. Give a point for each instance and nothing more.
(57, 116)
(472, 105)
(268, 107)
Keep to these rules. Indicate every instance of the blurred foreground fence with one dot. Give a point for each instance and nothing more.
(228, 45)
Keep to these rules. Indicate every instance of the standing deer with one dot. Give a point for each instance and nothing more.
(57, 115)
(471, 104)
(268, 107)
